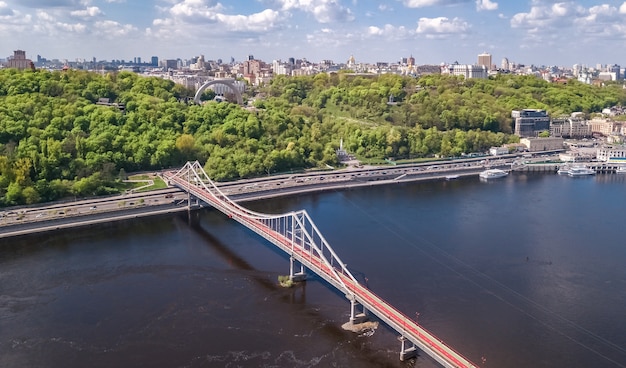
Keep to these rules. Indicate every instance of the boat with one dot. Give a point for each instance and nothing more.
(493, 174)
(621, 170)
(581, 171)
(563, 170)
(451, 177)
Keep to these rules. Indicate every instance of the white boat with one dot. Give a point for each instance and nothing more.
(451, 177)
(581, 171)
(493, 174)
(563, 170)
(621, 170)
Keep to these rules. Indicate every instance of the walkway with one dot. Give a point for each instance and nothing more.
(296, 234)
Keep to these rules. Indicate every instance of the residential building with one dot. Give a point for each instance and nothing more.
(570, 127)
(251, 67)
(605, 127)
(530, 122)
(280, 68)
(19, 61)
(484, 59)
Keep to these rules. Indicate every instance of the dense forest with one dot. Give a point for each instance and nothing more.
(55, 141)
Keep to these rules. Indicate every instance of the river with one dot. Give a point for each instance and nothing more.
(523, 271)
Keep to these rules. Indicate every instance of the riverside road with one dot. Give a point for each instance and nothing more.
(50, 217)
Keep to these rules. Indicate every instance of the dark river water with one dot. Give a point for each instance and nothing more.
(524, 271)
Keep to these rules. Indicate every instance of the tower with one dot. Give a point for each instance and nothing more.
(484, 59)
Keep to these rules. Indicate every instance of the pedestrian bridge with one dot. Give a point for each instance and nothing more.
(296, 234)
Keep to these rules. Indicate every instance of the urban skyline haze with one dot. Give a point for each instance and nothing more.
(540, 32)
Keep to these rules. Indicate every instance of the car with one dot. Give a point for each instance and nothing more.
(93, 207)
(170, 195)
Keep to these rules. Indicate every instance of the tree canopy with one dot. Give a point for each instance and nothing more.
(56, 141)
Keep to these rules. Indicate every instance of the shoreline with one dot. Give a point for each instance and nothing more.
(149, 209)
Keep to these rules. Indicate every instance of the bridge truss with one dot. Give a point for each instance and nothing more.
(297, 235)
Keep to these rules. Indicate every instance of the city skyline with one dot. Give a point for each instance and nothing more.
(541, 32)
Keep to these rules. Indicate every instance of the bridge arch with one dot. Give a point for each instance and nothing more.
(227, 82)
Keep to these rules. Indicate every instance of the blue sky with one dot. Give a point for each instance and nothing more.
(541, 32)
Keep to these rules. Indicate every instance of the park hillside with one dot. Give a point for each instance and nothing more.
(57, 142)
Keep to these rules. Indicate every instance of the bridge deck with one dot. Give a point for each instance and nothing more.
(395, 319)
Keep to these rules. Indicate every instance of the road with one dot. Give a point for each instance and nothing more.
(24, 220)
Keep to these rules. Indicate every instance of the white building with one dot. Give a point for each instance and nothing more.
(497, 151)
(611, 154)
(281, 68)
(466, 70)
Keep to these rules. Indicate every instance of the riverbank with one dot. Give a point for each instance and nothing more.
(66, 215)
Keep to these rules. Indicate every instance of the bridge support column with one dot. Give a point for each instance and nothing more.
(407, 352)
(358, 313)
(297, 276)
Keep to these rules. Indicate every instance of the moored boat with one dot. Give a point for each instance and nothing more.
(580, 171)
(493, 174)
(563, 170)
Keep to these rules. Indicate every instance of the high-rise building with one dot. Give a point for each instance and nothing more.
(484, 59)
(155, 61)
(251, 67)
(19, 61)
(530, 122)
(615, 71)
(505, 64)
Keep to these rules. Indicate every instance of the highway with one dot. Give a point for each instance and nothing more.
(47, 217)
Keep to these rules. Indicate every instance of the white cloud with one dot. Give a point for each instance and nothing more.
(324, 11)
(12, 21)
(568, 24)
(441, 26)
(542, 16)
(486, 5)
(258, 22)
(91, 11)
(388, 31)
(111, 29)
(46, 23)
(184, 18)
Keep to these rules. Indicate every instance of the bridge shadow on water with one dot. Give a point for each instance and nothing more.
(296, 297)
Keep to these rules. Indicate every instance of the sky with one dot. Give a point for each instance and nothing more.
(539, 32)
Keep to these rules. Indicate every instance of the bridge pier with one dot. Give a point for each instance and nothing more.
(297, 276)
(407, 352)
(357, 316)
